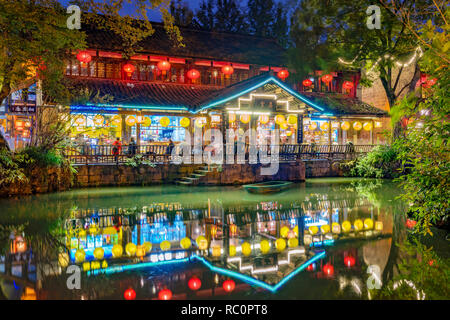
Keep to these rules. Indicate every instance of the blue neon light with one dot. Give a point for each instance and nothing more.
(328, 242)
(141, 107)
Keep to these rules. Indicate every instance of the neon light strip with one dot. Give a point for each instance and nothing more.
(162, 108)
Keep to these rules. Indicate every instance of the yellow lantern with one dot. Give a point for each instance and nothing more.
(232, 251)
(346, 226)
(292, 119)
(140, 251)
(147, 246)
(295, 231)
(164, 121)
(246, 249)
(283, 126)
(325, 228)
(80, 255)
(335, 228)
(324, 126)
(63, 259)
(245, 118)
(130, 249)
(368, 224)
(98, 120)
(264, 246)
(284, 231)
(280, 244)
(117, 251)
(216, 251)
(313, 230)
(165, 245)
(185, 122)
(202, 243)
(378, 124)
(213, 231)
(293, 242)
(345, 125)
(280, 119)
(146, 122)
(367, 126)
(116, 120)
(185, 243)
(99, 253)
(313, 126)
(130, 121)
(231, 117)
(233, 229)
(263, 119)
(200, 122)
(357, 125)
(358, 224)
(379, 226)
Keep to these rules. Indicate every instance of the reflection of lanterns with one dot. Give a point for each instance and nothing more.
(165, 294)
(129, 69)
(345, 125)
(280, 119)
(163, 66)
(202, 243)
(164, 121)
(283, 74)
(231, 117)
(357, 125)
(228, 285)
(130, 120)
(367, 126)
(292, 119)
(327, 78)
(349, 261)
(165, 245)
(324, 126)
(98, 120)
(129, 294)
(227, 71)
(193, 74)
(280, 244)
(246, 249)
(328, 270)
(245, 118)
(263, 119)
(84, 57)
(185, 122)
(307, 83)
(313, 126)
(194, 283)
(347, 85)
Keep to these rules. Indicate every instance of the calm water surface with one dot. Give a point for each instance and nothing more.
(36, 233)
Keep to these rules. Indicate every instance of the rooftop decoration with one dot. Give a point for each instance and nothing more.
(84, 57)
(283, 74)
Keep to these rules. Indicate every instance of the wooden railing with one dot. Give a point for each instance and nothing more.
(103, 154)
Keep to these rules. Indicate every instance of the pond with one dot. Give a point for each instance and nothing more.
(322, 239)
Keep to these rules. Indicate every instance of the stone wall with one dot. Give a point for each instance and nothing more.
(323, 168)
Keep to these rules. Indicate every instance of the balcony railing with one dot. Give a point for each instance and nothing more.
(103, 154)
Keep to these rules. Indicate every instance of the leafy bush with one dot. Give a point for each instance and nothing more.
(40, 157)
(10, 171)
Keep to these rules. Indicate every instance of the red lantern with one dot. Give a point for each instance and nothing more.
(347, 85)
(283, 74)
(228, 285)
(84, 57)
(129, 294)
(430, 83)
(165, 294)
(129, 69)
(194, 283)
(431, 262)
(307, 83)
(193, 74)
(164, 66)
(328, 270)
(227, 71)
(349, 261)
(327, 78)
(410, 224)
(311, 267)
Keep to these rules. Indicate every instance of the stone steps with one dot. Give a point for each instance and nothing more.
(193, 178)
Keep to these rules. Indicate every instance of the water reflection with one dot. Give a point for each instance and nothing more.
(313, 241)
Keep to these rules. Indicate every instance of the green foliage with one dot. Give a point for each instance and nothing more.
(138, 160)
(10, 172)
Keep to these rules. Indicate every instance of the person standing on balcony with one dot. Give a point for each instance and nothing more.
(117, 149)
(132, 148)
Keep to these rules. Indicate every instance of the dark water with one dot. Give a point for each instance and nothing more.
(35, 231)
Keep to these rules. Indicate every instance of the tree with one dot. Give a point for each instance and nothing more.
(280, 28)
(229, 17)
(261, 17)
(182, 14)
(205, 15)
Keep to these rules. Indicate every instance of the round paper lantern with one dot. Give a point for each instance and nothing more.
(264, 246)
(163, 66)
(367, 126)
(280, 244)
(328, 269)
(185, 122)
(280, 119)
(63, 259)
(98, 120)
(346, 226)
(293, 242)
(130, 249)
(335, 228)
(200, 122)
(307, 83)
(263, 119)
(147, 246)
(129, 69)
(129, 294)
(84, 57)
(185, 243)
(165, 245)
(311, 267)
(325, 228)
(410, 224)
(358, 224)
(349, 261)
(140, 251)
(283, 126)
(117, 251)
(313, 126)
(231, 117)
(295, 231)
(245, 118)
(165, 294)
(292, 119)
(193, 74)
(324, 126)
(227, 70)
(246, 249)
(80, 255)
(313, 230)
(327, 78)
(283, 74)
(368, 224)
(228, 285)
(232, 251)
(202, 243)
(347, 85)
(130, 120)
(345, 125)
(379, 225)
(357, 125)
(164, 121)
(116, 120)
(194, 283)
(284, 231)
(146, 122)
(99, 253)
